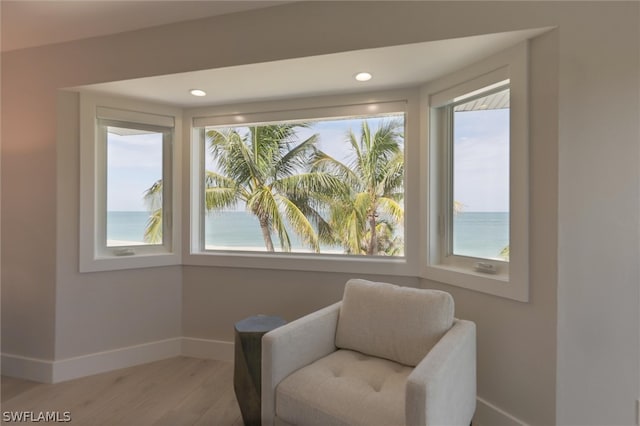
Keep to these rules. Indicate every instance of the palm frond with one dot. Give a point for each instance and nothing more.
(392, 178)
(310, 184)
(391, 208)
(233, 155)
(153, 196)
(153, 228)
(296, 159)
(300, 223)
(322, 162)
(217, 199)
(221, 192)
(355, 234)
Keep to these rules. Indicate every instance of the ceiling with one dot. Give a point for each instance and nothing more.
(392, 67)
(27, 23)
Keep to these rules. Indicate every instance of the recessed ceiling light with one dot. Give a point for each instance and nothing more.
(363, 76)
(198, 92)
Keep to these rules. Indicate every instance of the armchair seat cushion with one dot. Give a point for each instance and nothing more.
(344, 388)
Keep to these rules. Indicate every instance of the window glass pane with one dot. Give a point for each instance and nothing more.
(134, 187)
(324, 186)
(481, 177)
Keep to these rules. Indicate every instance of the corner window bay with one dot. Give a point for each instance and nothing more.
(324, 186)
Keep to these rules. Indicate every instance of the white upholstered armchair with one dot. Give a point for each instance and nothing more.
(384, 355)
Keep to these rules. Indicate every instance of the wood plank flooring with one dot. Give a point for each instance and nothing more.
(179, 391)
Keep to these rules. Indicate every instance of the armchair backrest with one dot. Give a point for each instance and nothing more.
(393, 322)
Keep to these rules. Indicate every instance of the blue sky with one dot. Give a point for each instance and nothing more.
(481, 160)
(134, 164)
(480, 145)
(333, 135)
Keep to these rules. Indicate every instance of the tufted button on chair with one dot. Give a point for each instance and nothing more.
(384, 355)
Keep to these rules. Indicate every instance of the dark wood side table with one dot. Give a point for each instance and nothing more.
(247, 369)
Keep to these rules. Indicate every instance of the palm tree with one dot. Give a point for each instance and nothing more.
(458, 207)
(389, 244)
(266, 170)
(504, 253)
(153, 200)
(374, 175)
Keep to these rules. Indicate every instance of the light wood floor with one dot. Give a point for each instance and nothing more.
(174, 392)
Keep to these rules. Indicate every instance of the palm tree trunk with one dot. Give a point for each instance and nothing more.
(373, 241)
(266, 234)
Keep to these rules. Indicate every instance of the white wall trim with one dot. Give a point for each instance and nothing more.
(206, 348)
(100, 362)
(488, 414)
(35, 369)
(48, 371)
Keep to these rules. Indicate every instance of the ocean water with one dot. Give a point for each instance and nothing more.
(478, 234)
(240, 229)
(228, 229)
(126, 226)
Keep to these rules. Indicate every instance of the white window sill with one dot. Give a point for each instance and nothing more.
(378, 265)
(113, 263)
(502, 285)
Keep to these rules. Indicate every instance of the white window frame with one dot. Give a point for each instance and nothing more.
(96, 113)
(511, 279)
(306, 109)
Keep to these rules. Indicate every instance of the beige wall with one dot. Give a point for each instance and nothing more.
(598, 278)
(583, 316)
(101, 311)
(517, 341)
(28, 210)
(215, 300)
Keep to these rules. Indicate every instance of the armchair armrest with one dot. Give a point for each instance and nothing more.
(441, 390)
(291, 347)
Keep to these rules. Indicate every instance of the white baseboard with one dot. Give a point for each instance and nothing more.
(488, 414)
(207, 348)
(100, 362)
(34, 369)
(47, 371)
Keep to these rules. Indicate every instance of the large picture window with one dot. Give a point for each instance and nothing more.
(326, 186)
(306, 184)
